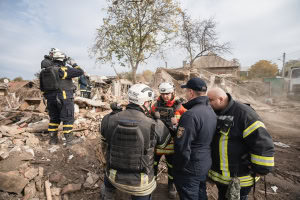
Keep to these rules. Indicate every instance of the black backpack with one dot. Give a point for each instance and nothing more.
(50, 79)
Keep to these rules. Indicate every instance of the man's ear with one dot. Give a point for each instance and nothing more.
(192, 92)
(221, 99)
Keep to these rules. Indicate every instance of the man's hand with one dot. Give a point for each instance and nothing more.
(174, 121)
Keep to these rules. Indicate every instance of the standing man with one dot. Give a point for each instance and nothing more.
(56, 83)
(131, 138)
(84, 86)
(192, 157)
(170, 110)
(241, 147)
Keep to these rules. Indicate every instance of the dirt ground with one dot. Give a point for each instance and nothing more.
(282, 122)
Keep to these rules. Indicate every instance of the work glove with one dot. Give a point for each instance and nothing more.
(71, 62)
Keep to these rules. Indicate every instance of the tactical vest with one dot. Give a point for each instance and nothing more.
(131, 150)
(52, 82)
(166, 113)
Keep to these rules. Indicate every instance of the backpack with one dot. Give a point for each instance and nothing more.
(50, 79)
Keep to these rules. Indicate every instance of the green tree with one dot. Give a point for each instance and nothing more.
(135, 30)
(262, 69)
(199, 38)
(19, 78)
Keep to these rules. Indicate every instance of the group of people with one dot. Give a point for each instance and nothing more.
(211, 135)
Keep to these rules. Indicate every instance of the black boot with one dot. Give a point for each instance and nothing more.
(53, 138)
(171, 190)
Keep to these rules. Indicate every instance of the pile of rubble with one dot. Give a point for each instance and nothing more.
(21, 138)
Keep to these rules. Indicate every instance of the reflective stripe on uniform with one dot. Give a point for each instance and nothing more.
(112, 174)
(68, 125)
(164, 151)
(53, 124)
(245, 181)
(169, 165)
(65, 73)
(169, 149)
(223, 150)
(52, 129)
(252, 128)
(144, 179)
(64, 94)
(77, 67)
(262, 160)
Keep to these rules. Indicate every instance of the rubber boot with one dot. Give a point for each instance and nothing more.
(53, 138)
(172, 191)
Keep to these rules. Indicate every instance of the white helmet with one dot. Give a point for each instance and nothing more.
(56, 54)
(140, 93)
(166, 87)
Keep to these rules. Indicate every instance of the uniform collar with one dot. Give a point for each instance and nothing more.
(231, 102)
(197, 100)
(135, 107)
(169, 103)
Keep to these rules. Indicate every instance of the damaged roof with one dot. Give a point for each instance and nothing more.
(16, 85)
(213, 61)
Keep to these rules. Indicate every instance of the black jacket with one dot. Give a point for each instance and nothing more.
(241, 145)
(194, 135)
(66, 74)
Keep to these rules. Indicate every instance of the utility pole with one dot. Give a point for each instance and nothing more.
(283, 63)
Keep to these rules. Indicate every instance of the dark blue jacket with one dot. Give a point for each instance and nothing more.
(195, 132)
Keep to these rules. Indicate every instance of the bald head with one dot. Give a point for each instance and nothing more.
(218, 98)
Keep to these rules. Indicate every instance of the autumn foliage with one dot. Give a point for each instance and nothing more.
(262, 69)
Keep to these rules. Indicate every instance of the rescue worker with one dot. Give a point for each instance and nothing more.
(170, 110)
(56, 83)
(131, 137)
(84, 86)
(242, 146)
(192, 156)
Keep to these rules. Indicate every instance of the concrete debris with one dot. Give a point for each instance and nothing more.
(91, 180)
(57, 177)
(70, 157)
(55, 191)
(30, 191)
(280, 144)
(70, 188)
(38, 184)
(3, 155)
(31, 173)
(12, 183)
(32, 141)
(53, 149)
(274, 188)
(41, 171)
(84, 102)
(30, 151)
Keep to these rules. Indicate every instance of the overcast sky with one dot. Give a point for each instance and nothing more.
(257, 29)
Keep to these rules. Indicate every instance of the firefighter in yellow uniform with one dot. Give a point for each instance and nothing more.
(242, 146)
